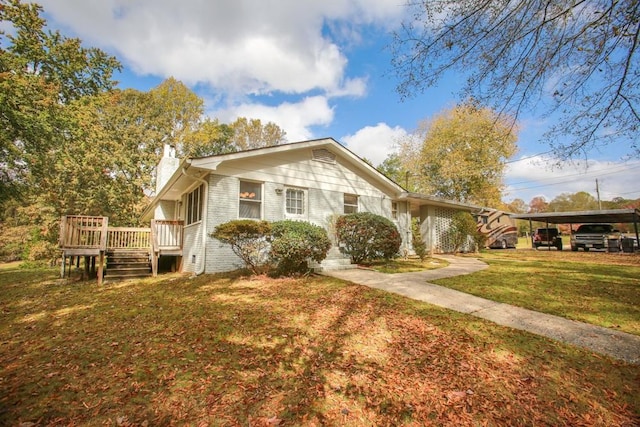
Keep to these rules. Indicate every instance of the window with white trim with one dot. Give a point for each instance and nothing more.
(295, 202)
(250, 200)
(193, 209)
(350, 203)
(394, 210)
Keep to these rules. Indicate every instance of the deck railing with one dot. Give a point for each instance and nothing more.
(168, 233)
(83, 232)
(91, 236)
(128, 238)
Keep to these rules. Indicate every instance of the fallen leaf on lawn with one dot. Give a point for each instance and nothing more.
(456, 396)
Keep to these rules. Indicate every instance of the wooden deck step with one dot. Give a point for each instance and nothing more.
(128, 264)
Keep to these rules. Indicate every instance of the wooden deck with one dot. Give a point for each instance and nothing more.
(91, 237)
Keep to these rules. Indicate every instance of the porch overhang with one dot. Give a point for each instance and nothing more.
(176, 186)
(417, 200)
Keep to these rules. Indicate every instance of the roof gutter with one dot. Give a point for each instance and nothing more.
(204, 182)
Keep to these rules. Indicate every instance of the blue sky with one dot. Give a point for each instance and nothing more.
(315, 68)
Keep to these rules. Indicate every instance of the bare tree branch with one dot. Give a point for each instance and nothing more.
(572, 58)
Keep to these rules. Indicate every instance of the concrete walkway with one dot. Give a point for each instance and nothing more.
(618, 345)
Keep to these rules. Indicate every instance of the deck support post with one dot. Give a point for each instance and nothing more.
(100, 268)
(154, 262)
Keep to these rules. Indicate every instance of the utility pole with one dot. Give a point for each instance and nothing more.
(598, 193)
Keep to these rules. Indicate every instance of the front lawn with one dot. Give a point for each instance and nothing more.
(229, 350)
(593, 287)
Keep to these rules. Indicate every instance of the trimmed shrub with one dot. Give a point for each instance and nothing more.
(248, 240)
(294, 243)
(365, 236)
(463, 227)
(419, 246)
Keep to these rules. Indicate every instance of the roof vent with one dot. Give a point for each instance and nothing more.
(324, 155)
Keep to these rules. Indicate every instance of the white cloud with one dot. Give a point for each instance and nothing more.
(546, 177)
(241, 46)
(374, 142)
(295, 118)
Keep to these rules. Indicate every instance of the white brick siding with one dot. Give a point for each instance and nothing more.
(320, 206)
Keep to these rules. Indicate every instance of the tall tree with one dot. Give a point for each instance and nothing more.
(41, 72)
(538, 205)
(566, 202)
(177, 112)
(582, 56)
(102, 168)
(393, 168)
(517, 206)
(210, 138)
(251, 133)
(460, 155)
(621, 203)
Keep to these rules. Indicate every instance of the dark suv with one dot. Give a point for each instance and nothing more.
(547, 237)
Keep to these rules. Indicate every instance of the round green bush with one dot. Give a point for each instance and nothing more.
(365, 236)
(294, 243)
(248, 240)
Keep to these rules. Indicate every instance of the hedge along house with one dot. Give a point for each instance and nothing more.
(311, 181)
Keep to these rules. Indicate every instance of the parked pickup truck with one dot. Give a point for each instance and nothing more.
(547, 237)
(594, 236)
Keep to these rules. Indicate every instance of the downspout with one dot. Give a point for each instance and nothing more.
(204, 220)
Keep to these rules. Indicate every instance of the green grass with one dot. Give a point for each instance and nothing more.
(598, 288)
(231, 350)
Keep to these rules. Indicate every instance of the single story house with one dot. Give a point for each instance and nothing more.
(310, 180)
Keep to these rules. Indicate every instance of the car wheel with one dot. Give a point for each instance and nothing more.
(574, 248)
(503, 244)
(559, 246)
(586, 249)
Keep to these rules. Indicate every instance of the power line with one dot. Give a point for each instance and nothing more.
(600, 172)
(528, 157)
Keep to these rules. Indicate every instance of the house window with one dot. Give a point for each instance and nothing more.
(294, 201)
(350, 203)
(394, 210)
(250, 200)
(194, 206)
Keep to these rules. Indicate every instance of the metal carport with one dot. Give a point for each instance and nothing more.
(585, 217)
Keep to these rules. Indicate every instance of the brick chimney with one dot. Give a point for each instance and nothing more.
(166, 167)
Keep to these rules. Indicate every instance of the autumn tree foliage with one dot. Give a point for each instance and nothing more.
(252, 133)
(41, 73)
(460, 155)
(538, 205)
(73, 143)
(577, 59)
(566, 202)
